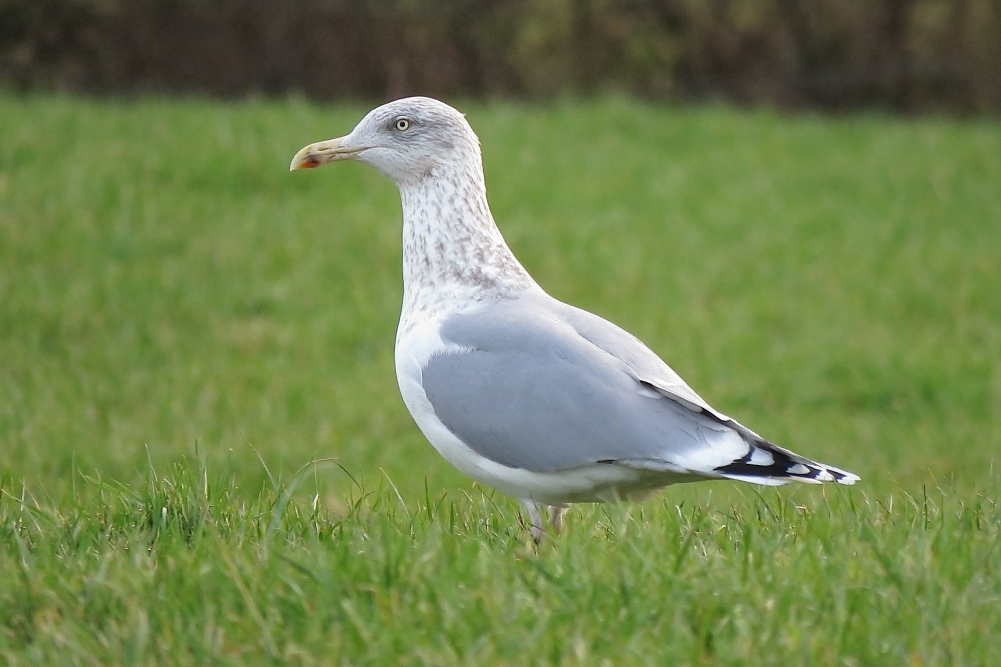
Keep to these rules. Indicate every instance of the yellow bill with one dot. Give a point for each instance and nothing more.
(322, 152)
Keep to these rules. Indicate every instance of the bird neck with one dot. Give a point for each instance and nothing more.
(453, 253)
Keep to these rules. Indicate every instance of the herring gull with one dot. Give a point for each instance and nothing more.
(546, 402)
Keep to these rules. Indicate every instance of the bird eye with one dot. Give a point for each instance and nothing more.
(402, 124)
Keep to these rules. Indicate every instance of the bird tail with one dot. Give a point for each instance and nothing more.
(771, 465)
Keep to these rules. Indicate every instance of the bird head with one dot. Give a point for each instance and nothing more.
(406, 140)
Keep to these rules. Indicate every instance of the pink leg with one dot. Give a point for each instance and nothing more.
(533, 515)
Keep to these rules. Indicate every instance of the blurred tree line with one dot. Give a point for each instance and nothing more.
(901, 54)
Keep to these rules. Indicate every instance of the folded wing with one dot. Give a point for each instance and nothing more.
(539, 385)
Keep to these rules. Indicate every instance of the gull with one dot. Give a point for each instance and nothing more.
(543, 401)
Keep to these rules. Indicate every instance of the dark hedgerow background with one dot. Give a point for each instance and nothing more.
(905, 55)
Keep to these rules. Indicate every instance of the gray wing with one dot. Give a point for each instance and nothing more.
(534, 392)
(648, 367)
(618, 342)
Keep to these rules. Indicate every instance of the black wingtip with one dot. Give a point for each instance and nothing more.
(767, 461)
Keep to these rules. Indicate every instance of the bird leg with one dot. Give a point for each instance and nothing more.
(556, 518)
(533, 515)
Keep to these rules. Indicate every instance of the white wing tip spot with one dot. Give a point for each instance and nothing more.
(763, 457)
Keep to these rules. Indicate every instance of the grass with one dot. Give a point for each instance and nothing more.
(184, 325)
(182, 571)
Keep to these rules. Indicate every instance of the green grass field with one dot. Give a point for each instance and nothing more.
(184, 325)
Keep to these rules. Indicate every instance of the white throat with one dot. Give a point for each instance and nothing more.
(453, 253)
